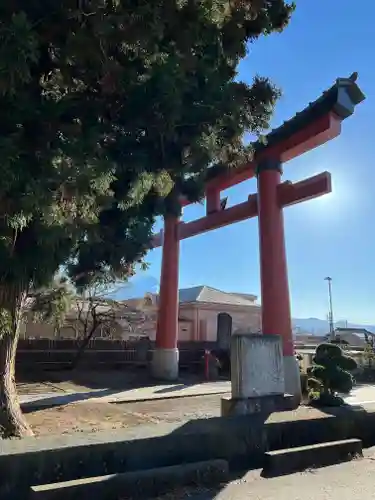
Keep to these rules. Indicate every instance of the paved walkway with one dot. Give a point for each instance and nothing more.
(168, 391)
(349, 481)
(360, 395)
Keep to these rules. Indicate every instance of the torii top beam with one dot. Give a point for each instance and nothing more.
(318, 123)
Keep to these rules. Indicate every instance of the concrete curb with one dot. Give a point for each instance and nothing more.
(175, 396)
(282, 462)
(151, 482)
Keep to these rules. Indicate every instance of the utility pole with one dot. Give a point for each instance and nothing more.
(331, 324)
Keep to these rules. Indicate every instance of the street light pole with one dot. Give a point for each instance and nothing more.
(331, 325)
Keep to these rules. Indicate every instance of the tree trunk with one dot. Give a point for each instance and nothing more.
(82, 347)
(12, 421)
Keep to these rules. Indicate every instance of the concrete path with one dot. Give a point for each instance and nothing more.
(359, 395)
(168, 391)
(349, 481)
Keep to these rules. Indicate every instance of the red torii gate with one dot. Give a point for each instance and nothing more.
(315, 125)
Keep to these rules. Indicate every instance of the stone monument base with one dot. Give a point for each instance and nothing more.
(292, 378)
(263, 404)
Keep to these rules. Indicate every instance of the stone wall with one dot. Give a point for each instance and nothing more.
(240, 440)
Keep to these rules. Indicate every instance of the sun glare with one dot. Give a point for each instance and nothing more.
(342, 196)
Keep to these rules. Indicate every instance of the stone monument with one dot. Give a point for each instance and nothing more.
(257, 375)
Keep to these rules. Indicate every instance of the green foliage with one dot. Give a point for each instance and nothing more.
(52, 303)
(330, 374)
(369, 354)
(109, 112)
(367, 374)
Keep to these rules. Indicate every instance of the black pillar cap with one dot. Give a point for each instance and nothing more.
(269, 164)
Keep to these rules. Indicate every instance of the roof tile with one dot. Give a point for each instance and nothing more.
(211, 295)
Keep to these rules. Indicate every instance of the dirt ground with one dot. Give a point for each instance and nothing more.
(92, 417)
(99, 416)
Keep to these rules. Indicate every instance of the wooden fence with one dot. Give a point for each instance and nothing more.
(46, 353)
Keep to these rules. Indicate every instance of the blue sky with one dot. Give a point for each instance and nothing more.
(332, 235)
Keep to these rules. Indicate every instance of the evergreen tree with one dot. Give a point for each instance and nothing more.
(330, 374)
(111, 110)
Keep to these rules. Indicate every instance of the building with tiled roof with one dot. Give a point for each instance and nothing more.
(209, 295)
(208, 314)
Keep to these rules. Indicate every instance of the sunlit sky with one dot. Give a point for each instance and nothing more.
(332, 235)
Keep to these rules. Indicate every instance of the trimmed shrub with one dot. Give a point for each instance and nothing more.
(330, 375)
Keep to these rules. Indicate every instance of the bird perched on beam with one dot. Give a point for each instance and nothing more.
(223, 203)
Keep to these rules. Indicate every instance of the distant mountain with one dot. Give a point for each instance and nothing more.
(317, 326)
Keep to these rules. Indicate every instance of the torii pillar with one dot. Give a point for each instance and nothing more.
(276, 315)
(165, 357)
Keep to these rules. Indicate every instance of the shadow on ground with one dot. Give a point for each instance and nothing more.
(121, 379)
(200, 492)
(64, 399)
